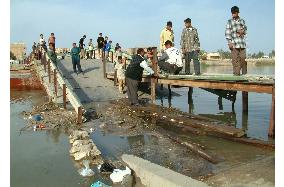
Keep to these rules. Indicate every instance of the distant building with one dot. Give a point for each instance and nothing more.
(19, 50)
(265, 56)
(213, 56)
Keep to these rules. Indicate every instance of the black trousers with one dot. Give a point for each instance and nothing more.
(132, 89)
(169, 68)
(76, 63)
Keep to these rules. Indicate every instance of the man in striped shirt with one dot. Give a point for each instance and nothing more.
(235, 33)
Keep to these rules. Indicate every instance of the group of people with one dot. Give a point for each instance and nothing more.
(88, 52)
(103, 45)
(171, 60)
(40, 47)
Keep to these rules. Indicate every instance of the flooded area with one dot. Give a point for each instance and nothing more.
(39, 158)
(42, 157)
(256, 122)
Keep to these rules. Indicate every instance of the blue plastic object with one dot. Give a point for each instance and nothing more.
(99, 184)
(37, 117)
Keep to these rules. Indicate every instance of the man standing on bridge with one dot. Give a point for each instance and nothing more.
(51, 41)
(100, 42)
(166, 34)
(81, 45)
(133, 75)
(190, 47)
(75, 55)
(235, 33)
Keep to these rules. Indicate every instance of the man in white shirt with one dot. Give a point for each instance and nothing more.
(171, 60)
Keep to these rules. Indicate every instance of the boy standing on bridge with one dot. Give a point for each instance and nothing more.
(120, 74)
(75, 55)
(236, 30)
(190, 47)
(90, 49)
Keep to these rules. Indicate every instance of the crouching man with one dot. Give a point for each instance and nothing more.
(171, 60)
(133, 75)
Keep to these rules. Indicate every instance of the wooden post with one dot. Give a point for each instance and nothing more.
(244, 120)
(220, 103)
(115, 77)
(245, 101)
(271, 131)
(111, 57)
(94, 53)
(170, 90)
(245, 110)
(44, 63)
(162, 86)
(190, 100)
(80, 115)
(154, 79)
(124, 62)
(104, 66)
(49, 71)
(55, 81)
(64, 95)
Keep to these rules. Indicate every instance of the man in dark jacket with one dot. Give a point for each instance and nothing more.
(100, 42)
(81, 45)
(133, 75)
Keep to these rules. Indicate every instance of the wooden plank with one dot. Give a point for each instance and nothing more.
(196, 149)
(195, 123)
(223, 85)
(154, 79)
(271, 131)
(80, 115)
(248, 87)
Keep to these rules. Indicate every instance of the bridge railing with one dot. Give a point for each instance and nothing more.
(58, 81)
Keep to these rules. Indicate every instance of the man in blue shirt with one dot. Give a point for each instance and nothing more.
(75, 55)
(107, 49)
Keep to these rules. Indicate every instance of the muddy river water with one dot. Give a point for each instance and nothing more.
(42, 158)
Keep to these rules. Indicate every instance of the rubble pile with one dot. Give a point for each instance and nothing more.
(82, 147)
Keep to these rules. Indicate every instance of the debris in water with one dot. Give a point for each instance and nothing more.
(106, 167)
(99, 184)
(86, 172)
(117, 174)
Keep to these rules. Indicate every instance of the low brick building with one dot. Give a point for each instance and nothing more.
(19, 50)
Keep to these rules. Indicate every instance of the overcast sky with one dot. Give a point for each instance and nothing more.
(135, 23)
